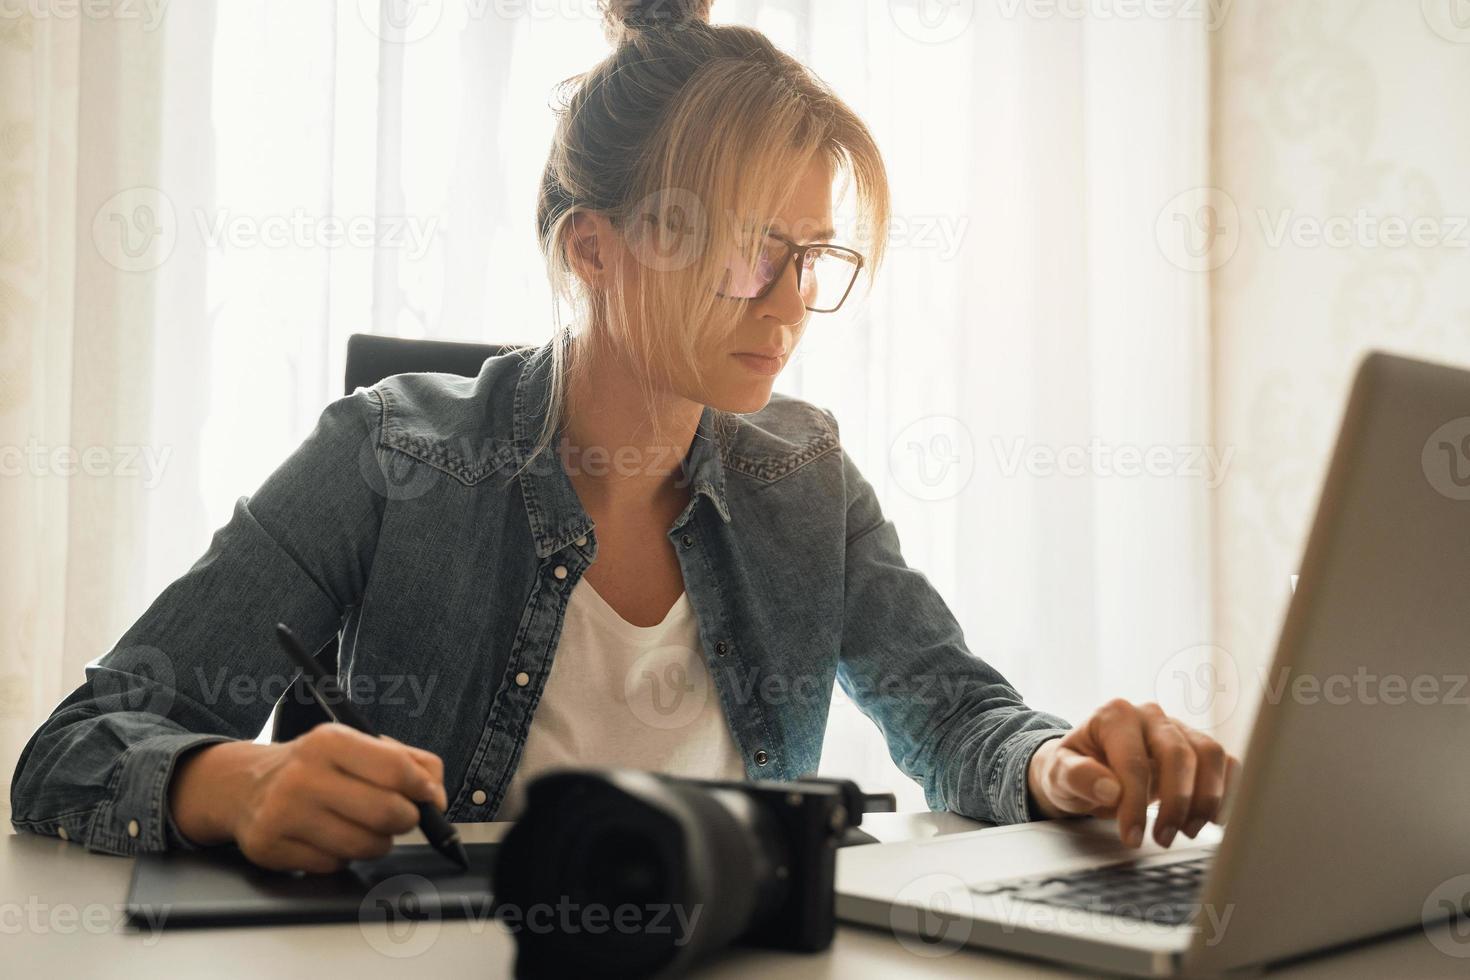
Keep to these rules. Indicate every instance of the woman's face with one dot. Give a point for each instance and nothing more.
(738, 374)
(735, 375)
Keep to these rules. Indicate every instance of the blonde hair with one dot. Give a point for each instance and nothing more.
(686, 136)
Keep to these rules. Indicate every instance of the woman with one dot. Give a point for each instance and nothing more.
(698, 558)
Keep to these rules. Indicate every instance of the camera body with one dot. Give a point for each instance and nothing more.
(752, 863)
(811, 816)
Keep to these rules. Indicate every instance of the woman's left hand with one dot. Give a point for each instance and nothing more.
(1125, 757)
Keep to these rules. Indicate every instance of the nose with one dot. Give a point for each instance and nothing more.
(783, 303)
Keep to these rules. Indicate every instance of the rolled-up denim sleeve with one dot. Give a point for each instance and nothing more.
(951, 721)
(200, 665)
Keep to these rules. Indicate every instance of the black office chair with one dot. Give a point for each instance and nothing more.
(370, 359)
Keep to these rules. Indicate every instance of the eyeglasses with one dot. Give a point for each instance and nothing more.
(824, 273)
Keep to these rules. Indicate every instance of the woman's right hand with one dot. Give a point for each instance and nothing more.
(327, 797)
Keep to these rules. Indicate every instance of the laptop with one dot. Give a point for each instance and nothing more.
(1349, 819)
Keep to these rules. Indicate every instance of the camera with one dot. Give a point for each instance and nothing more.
(619, 872)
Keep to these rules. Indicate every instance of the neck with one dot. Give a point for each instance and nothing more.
(615, 451)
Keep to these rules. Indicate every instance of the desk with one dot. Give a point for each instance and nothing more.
(61, 912)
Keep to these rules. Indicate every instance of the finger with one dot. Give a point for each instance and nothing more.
(1118, 728)
(1209, 781)
(431, 765)
(340, 838)
(430, 762)
(377, 761)
(1173, 757)
(1083, 784)
(375, 809)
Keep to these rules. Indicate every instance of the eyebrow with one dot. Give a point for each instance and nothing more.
(820, 236)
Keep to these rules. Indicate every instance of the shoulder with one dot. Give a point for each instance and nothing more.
(784, 436)
(466, 425)
(426, 404)
(793, 436)
(463, 425)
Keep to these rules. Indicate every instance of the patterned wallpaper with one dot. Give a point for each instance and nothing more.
(1340, 222)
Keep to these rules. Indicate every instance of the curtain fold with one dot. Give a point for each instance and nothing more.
(79, 113)
(1027, 316)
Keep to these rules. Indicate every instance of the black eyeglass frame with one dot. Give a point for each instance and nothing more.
(794, 250)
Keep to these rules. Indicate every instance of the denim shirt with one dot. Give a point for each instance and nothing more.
(416, 521)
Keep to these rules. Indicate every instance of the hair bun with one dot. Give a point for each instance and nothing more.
(624, 18)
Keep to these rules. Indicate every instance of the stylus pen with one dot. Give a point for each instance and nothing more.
(440, 832)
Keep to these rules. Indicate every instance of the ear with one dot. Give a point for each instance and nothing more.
(589, 246)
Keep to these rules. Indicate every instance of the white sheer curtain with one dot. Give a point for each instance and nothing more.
(79, 124)
(1028, 310)
(326, 169)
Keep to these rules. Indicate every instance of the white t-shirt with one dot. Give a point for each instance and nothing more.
(623, 695)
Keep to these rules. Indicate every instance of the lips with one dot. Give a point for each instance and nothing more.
(760, 363)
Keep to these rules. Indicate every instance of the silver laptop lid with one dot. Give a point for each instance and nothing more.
(1351, 816)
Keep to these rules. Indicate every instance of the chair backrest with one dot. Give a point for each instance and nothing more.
(370, 359)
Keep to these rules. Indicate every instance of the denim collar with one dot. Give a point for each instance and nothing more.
(555, 511)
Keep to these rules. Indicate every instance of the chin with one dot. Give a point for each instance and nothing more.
(741, 399)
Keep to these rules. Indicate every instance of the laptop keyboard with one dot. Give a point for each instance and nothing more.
(1167, 893)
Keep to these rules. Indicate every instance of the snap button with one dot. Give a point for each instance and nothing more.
(61, 832)
(721, 648)
(761, 758)
(688, 540)
(478, 797)
(560, 571)
(133, 828)
(522, 679)
(581, 542)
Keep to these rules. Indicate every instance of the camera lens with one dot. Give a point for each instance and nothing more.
(615, 873)
(622, 865)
